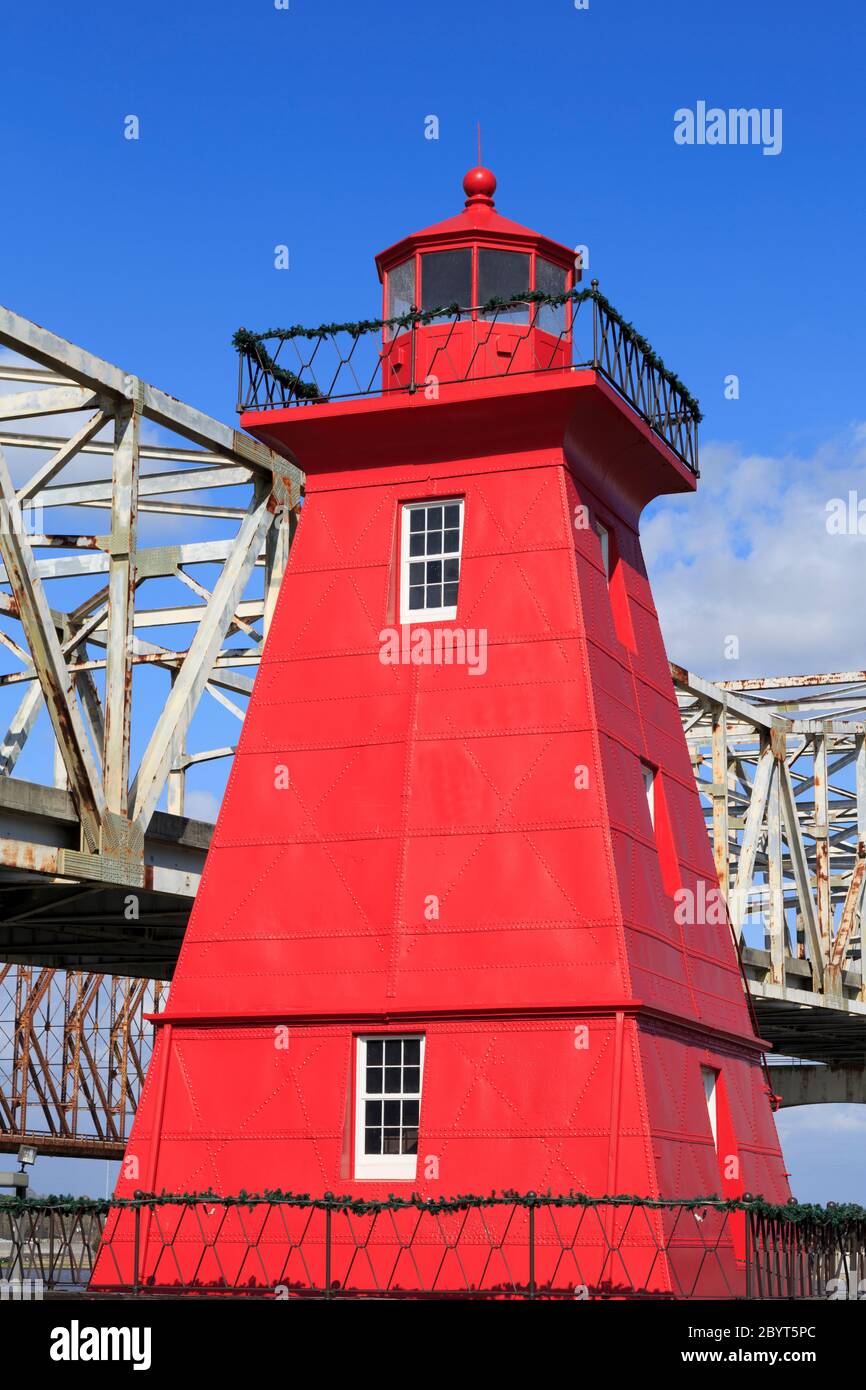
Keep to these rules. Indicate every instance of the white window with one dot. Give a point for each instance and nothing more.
(710, 1078)
(649, 780)
(388, 1105)
(604, 541)
(431, 541)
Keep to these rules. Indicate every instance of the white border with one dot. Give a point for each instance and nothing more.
(396, 1166)
(417, 616)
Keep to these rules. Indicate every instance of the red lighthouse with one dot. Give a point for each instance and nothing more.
(452, 934)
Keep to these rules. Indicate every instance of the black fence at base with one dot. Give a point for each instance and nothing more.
(528, 1246)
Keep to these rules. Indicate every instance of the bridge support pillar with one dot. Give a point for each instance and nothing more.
(814, 1084)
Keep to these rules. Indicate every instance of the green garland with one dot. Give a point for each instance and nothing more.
(302, 390)
(252, 344)
(833, 1214)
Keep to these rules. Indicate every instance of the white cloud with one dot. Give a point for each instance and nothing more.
(750, 556)
(823, 1146)
(201, 805)
(838, 1119)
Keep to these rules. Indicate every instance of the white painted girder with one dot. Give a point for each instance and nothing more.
(793, 841)
(59, 663)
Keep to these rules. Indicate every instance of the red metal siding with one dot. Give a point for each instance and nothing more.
(362, 790)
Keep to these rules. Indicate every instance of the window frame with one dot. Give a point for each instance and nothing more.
(375, 1167)
(519, 307)
(390, 332)
(466, 310)
(566, 309)
(446, 613)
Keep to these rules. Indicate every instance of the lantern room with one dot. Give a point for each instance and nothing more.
(476, 275)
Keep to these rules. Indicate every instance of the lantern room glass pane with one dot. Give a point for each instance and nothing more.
(401, 292)
(446, 279)
(503, 275)
(550, 279)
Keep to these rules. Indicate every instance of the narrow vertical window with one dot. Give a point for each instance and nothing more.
(604, 541)
(710, 1077)
(614, 572)
(649, 782)
(656, 800)
(431, 544)
(388, 1105)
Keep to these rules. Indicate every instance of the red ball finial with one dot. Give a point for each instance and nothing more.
(479, 185)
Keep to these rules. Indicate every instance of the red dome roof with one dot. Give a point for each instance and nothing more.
(477, 220)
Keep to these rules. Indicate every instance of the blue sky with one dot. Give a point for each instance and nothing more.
(305, 127)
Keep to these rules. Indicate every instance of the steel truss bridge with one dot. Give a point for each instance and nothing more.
(128, 630)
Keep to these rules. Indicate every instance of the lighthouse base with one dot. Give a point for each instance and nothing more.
(592, 1104)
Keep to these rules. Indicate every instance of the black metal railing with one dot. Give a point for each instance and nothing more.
(304, 366)
(809, 1259)
(508, 1246)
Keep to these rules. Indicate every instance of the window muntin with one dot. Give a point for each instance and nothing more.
(431, 543)
(446, 278)
(388, 1105)
(501, 275)
(550, 279)
(401, 291)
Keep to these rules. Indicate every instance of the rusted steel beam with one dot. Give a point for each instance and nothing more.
(803, 843)
(719, 794)
(66, 451)
(777, 932)
(58, 1090)
(50, 350)
(52, 400)
(50, 663)
(195, 671)
(121, 604)
(794, 682)
(821, 832)
(59, 1146)
(751, 832)
(73, 1095)
(848, 923)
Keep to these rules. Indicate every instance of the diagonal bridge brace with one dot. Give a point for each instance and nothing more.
(49, 661)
